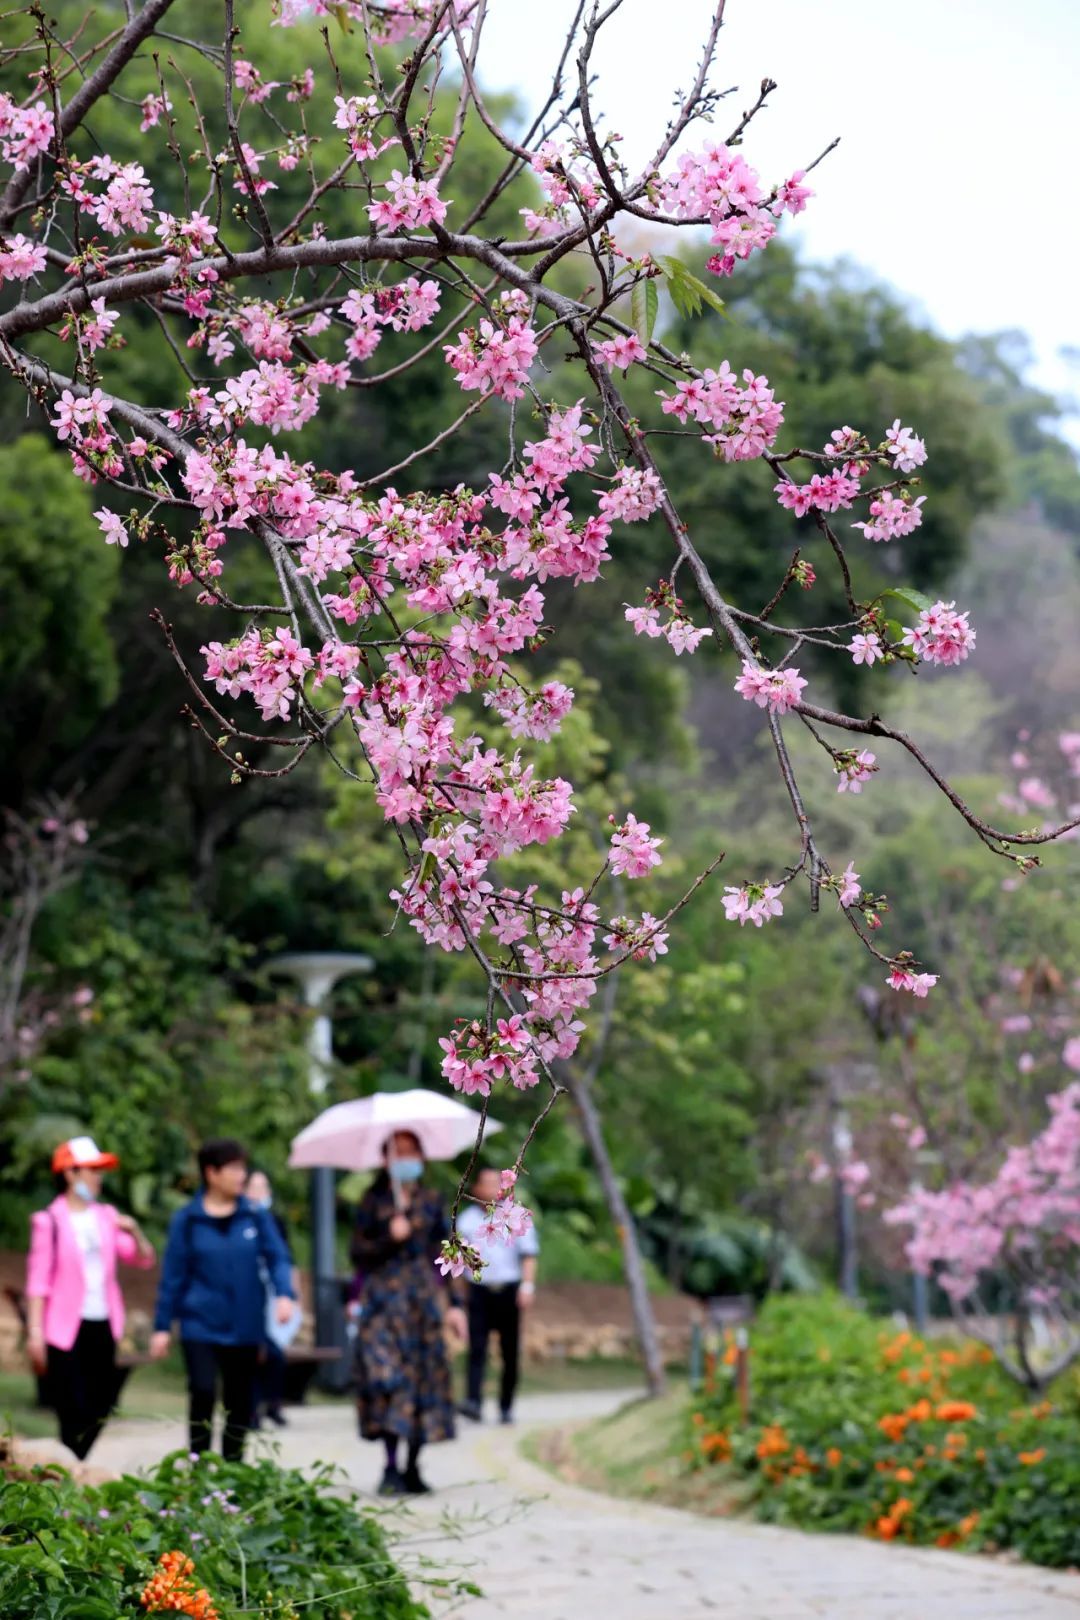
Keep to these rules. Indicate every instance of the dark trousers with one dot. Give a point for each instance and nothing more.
(493, 1310)
(269, 1391)
(237, 1365)
(82, 1385)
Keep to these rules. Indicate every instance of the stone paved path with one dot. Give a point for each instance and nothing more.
(543, 1550)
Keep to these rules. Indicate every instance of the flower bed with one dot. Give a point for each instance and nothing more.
(857, 1427)
(211, 1540)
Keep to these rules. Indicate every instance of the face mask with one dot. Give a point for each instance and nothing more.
(265, 1203)
(406, 1169)
(81, 1190)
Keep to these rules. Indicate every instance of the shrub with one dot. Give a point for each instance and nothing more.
(857, 1427)
(261, 1541)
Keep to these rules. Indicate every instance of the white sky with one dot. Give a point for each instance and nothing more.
(957, 176)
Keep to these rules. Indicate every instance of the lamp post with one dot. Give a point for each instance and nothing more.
(845, 1206)
(317, 972)
(920, 1283)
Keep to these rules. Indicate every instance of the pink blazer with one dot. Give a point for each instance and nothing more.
(54, 1269)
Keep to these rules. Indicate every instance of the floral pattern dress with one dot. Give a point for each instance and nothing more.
(402, 1371)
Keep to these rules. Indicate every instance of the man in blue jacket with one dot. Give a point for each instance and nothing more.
(222, 1256)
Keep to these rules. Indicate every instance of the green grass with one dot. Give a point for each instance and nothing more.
(154, 1391)
(629, 1453)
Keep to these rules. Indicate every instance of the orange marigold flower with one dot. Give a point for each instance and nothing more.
(773, 1442)
(893, 1425)
(967, 1524)
(955, 1411)
(716, 1446)
(1030, 1458)
(947, 1538)
(921, 1412)
(905, 1476)
(834, 1457)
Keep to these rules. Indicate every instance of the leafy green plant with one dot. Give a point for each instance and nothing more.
(857, 1427)
(264, 1540)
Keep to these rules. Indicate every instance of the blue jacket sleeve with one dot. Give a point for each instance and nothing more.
(174, 1270)
(275, 1256)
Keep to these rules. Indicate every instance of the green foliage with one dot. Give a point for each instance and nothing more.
(265, 1541)
(60, 667)
(857, 1427)
(168, 1054)
(688, 292)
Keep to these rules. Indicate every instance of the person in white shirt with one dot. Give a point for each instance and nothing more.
(495, 1302)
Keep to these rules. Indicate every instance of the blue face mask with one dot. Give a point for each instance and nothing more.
(81, 1190)
(406, 1169)
(264, 1203)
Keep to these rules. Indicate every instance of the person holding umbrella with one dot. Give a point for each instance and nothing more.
(404, 1394)
(75, 1310)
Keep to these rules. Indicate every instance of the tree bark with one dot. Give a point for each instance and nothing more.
(580, 1089)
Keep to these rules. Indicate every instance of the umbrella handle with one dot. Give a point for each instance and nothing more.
(395, 1184)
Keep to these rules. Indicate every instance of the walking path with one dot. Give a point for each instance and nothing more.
(544, 1550)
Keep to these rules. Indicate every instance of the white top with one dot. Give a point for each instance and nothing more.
(84, 1223)
(502, 1261)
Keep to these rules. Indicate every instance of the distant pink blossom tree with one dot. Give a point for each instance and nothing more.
(1006, 1251)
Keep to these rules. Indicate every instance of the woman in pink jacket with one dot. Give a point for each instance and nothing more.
(75, 1309)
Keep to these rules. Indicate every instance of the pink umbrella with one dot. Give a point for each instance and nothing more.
(350, 1135)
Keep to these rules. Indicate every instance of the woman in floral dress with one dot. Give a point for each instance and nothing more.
(402, 1372)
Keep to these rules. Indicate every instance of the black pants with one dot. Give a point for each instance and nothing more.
(493, 1311)
(237, 1365)
(269, 1392)
(82, 1385)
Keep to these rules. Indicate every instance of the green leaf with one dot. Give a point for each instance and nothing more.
(911, 598)
(644, 306)
(688, 292)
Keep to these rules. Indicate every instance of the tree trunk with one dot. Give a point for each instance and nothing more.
(580, 1089)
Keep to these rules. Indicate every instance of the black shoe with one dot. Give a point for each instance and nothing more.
(506, 1416)
(471, 1409)
(393, 1484)
(413, 1484)
(278, 1417)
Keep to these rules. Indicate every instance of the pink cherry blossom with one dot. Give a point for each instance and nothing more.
(853, 769)
(754, 903)
(779, 690)
(941, 635)
(906, 450)
(849, 890)
(633, 852)
(865, 648)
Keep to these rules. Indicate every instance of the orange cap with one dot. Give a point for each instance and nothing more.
(82, 1153)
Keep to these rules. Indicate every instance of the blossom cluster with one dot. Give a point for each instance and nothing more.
(718, 186)
(494, 357)
(778, 690)
(677, 629)
(941, 635)
(25, 132)
(745, 421)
